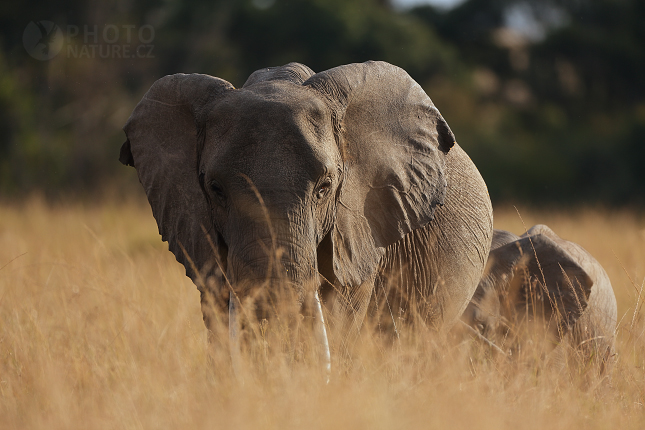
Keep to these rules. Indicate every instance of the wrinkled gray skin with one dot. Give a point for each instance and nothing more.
(352, 173)
(580, 307)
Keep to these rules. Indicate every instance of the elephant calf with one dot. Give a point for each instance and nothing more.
(540, 278)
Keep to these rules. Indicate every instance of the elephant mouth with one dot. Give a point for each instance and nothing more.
(264, 311)
(271, 290)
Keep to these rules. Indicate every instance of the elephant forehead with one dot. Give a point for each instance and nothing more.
(274, 108)
(275, 138)
(288, 116)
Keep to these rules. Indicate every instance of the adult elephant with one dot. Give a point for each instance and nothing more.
(351, 173)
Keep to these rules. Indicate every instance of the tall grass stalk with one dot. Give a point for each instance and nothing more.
(99, 328)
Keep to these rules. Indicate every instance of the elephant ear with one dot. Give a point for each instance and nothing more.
(292, 72)
(537, 270)
(501, 238)
(162, 135)
(393, 142)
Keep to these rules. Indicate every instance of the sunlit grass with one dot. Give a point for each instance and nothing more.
(99, 328)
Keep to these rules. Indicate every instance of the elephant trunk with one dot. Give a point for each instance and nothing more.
(271, 282)
(319, 332)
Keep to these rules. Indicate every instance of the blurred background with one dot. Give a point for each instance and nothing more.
(546, 96)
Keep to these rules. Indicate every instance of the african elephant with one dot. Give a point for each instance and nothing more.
(539, 277)
(350, 175)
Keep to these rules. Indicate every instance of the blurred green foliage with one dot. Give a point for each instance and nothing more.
(547, 96)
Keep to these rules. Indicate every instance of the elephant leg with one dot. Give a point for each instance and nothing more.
(234, 336)
(215, 315)
(214, 299)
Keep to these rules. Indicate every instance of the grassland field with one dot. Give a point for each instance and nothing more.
(100, 329)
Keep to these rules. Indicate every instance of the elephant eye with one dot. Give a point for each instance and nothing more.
(323, 188)
(217, 190)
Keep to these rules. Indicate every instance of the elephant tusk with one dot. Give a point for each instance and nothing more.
(320, 335)
(234, 335)
(483, 338)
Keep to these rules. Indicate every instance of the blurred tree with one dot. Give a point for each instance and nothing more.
(547, 96)
(564, 79)
(327, 33)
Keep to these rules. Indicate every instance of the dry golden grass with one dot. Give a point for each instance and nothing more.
(99, 328)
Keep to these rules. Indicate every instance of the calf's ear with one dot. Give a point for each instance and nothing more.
(536, 271)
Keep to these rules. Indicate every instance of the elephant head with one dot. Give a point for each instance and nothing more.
(532, 277)
(292, 175)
